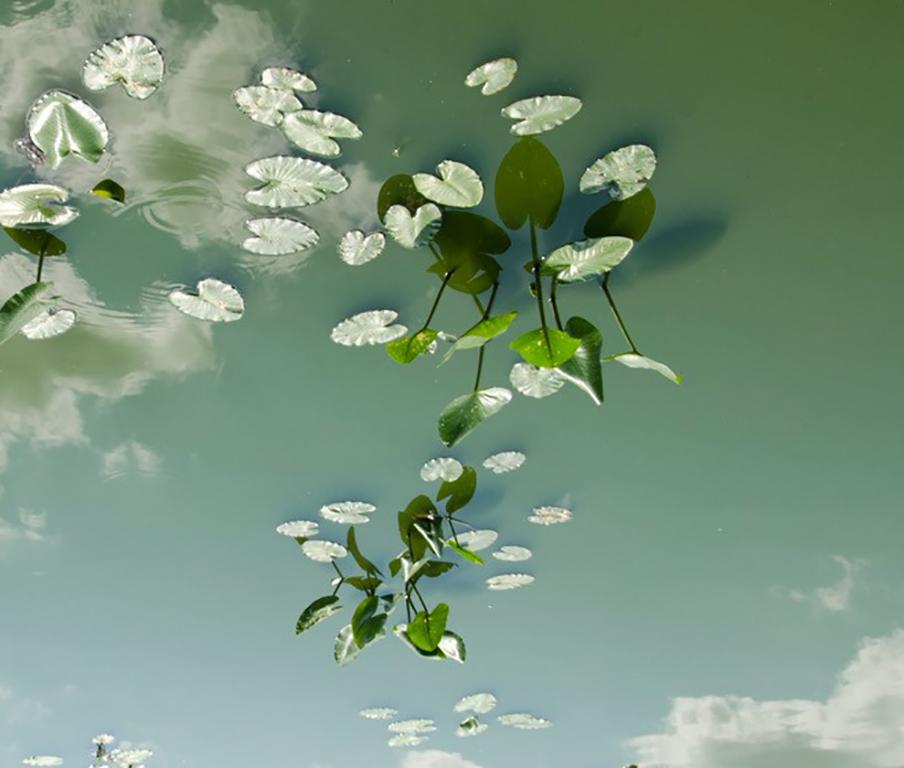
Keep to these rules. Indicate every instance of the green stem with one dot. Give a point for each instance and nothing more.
(454, 532)
(555, 303)
(439, 295)
(436, 254)
(604, 284)
(535, 257)
(341, 576)
(41, 263)
(486, 314)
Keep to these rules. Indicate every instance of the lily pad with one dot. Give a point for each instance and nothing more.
(628, 218)
(547, 348)
(275, 236)
(492, 76)
(51, 322)
(587, 258)
(320, 610)
(287, 79)
(481, 703)
(107, 189)
(529, 185)
(524, 721)
(303, 529)
(584, 369)
(293, 182)
(535, 382)
(214, 301)
(455, 184)
(321, 551)
(134, 61)
(632, 360)
(372, 327)
(470, 726)
(60, 124)
(43, 761)
(408, 348)
(465, 413)
(505, 461)
(399, 190)
(415, 725)
(413, 231)
(23, 307)
(445, 468)
(406, 740)
(622, 173)
(35, 205)
(347, 512)
(549, 515)
(541, 113)
(356, 248)
(264, 105)
(36, 241)
(512, 554)
(379, 713)
(474, 541)
(314, 132)
(508, 581)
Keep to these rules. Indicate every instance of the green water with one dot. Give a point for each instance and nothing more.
(697, 578)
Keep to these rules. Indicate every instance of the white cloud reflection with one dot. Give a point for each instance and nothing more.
(435, 758)
(836, 597)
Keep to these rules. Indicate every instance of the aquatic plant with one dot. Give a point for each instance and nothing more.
(102, 753)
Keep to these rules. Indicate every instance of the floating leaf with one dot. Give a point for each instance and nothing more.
(622, 173)
(529, 185)
(321, 551)
(426, 630)
(378, 713)
(37, 241)
(587, 258)
(133, 61)
(506, 461)
(287, 79)
(474, 541)
(320, 610)
(355, 248)
(267, 106)
(372, 327)
(43, 761)
(524, 722)
(458, 185)
(277, 235)
(550, 515)
(293, 182)
(545, 348)
(347, 512)
(453, 647)
(399, 190)
(481, 703)
(418, 725)
(412, 231)
(632, 360)
(314, 132)
(493, 76)
(346, 649)
(51, 322)
(478, 335)
(470, 726)
(445, 468)
(409, 348)
(298, 529)
(584, 369)
(465, 413)
(60, 124)
(214, 301)
(466, 554)
(628, 218)
(458, 492)
(513, 554)
(35, 205)
(535, 382)
(406, 740)
(109, 190)
(541, 113)
(507, 581)
(21, 308)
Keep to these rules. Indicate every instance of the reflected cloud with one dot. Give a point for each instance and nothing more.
(861, 724)
(30, 526)
(130, 457)
(834, 597)
(435, 758)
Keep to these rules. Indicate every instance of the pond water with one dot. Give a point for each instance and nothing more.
(728, 591)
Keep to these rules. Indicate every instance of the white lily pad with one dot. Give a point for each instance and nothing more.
(407, 740)
(632, 360)
(493, 76)
(287, 79)
(549, 515)
(456, 184)
(51, 322)
(35, 205)
(470, 726)
(507, 581)
(379, 713)
(373, 327)
(622, 173)
(475, 541)
(505, 461)
(481, 703)
(413, 231)
(293, 182)
(314, 132)
(419, 725)
(356, 248)
(134, 61)
(277, 235)
(268, 106)
(321, 551)
(214, 301)
(60, 124)
(347, 512)
(513, 554)
(541, 113)
(584, 259)
(445, 468)
(524, 721)
(127, 758)
(299, 529)
(535, 382)
(43, 761)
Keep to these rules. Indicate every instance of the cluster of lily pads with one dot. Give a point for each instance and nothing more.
(102, 753)
(431, 211)
(427, 535)
(60, 125)
(413, 732)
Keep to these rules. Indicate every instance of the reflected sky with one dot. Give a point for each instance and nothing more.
(729, 590)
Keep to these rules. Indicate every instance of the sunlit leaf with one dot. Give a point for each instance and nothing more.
(296, 529)
(458, 492)
(418, 725)
(214, 301)
(267, 106)
(347, 512)
(529, 185)
(109, 190)
(545, 348)
(372, 327)
(465, 553)
(346, 649)
(399, 190)
(445, 468)
(293, 182)
(60, 124)
(43, 761)
(37, 241)
(535, 382)
(467, 412)
(363, 563)
(426, 630)
(51, 322)
(355, 248)
(314, 132)
(287, 79)
(524, 722)
(35, 205)
(481, 703)
(435, 568)
(505, 461)
(133, 61)
(379, 713)
(470, 726)
(627, 218)
(413, 231)
(278, 235)
(363, 583)
(409, 348)
(493, 76)
(507, 581)
(367, 624)
(632, 360)
(455, 184)
(321, 551)
(474, 541)
(549, 515)
(406, 740)
(479, 334)
(584, 369)
(622, 173)
(453, 647)
(23, 307)
(541, 113)
(587, 258)
(513, 554)
(320, 610)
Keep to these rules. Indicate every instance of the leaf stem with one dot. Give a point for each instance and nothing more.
(604, 284)
(553, 300)
(535, 257)
(486, 314)
(41, 262)
(341, 577)
(439, 295)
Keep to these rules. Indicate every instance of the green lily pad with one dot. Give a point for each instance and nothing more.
(529, 185)
(545, 349)
(627, 218)
(467, 412)
(409, 348)
(37, 241)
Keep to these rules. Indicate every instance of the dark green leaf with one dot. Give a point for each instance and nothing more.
(426, 631)
(395, 565)
(466, 241)
(585, 369)
(109, 190)
(436, 568)
(363, 563)
(467, 412)
(367, 624)
(467, 554)
(533, 347)
(399, 190)
(474, 276)
(409, 348)
(401, 632)
(529, 184)
(479, 334)
(363, 583)
(628, 218)
(422, 510)
(37, 240)
(458, 492)
(322, 608)
(23, 307)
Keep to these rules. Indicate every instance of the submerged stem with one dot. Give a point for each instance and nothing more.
(436, 254)
(555, 303)
(486, 314)
(604, 284)
(41, 263)
(439, 295)
(535, 257)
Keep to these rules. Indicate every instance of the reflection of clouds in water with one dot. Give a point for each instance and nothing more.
(861, 724)
(435, 758)
(835, 597)
(181, 154)
(107, 354)
(29, 526)
(130, 457)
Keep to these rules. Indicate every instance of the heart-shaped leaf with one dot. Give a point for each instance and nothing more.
(214, 301)
(584, 369)
(535, 382)
(426, 630)
(479, 334)
(412, 231)
(134, 61)
(35, 205)
(627, 218)
(452, 647)
(314, 131)
(355, 248)
(529, 185)
(399, 190)
(60, 124)
(587, 258)
(547, 348)
(493, 76)
(279, 235)
(292, 182)
(287, 79)
(465, 413)
(458, 492)
(458, 185)
(264, 105)
(23, 307)
(541, 113)
(368, 328)
(409, 348)
(320, 610)
(622, 173)
(37, 241)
